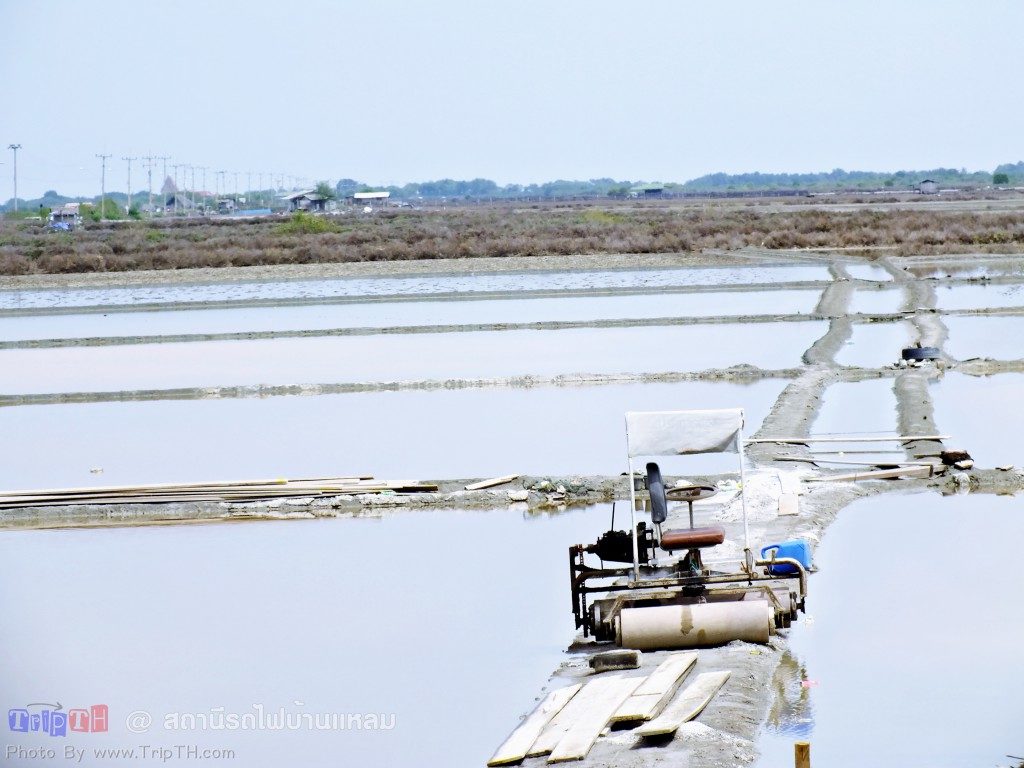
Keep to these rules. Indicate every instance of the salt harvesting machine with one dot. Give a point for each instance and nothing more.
(668, 596)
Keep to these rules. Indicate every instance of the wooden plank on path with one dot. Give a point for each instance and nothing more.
(583, 732)
(851, 439)
(688, 705)
(789, 504)
(878, 474)
(576, 708)
(522, 738)
(491, 483)
(652, 695)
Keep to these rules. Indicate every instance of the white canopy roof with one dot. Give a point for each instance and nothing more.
(673, 433)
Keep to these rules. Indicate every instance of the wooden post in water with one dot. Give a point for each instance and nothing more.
(802, 754)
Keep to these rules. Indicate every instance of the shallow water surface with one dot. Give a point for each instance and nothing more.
(862, 408)
(906, 661)
(443, 621)
(408, 434)
(998, 338)
(419, 285)
(406, 314)
(386, 358)
(868, 271)
(983, 414)
(979, 296)
(875, 345)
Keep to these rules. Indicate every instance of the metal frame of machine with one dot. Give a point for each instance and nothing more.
(685, 581)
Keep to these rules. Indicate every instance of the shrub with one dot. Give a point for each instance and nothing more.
(302, 223)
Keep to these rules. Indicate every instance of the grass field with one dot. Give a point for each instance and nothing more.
(489, 231)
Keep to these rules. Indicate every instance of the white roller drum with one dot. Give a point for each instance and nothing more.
(694, 626)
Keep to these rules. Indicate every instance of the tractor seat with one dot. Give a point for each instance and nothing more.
(692, 538)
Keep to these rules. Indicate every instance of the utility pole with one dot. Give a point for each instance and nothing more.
(163, 203)
(221, 185)
(203, 193)
(176, 167)
(149, 179)
(192, 186)
(248, 188)
(129, 161)
(14, 149)
(103, 186)
(236, 186)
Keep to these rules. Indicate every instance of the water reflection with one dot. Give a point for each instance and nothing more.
(792, 711)
(915, 638)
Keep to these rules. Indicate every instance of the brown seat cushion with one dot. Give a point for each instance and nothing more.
(692, 538)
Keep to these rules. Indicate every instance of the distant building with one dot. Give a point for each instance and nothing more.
(307, 200)
(177, 203)
(928, 187)
(370, 198)
(66, 217)
(647, 190)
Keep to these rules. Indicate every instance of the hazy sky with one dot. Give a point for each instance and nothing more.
(390, 92)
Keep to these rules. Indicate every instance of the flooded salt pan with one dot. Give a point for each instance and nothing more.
(882, 664)
(979, 296)
(319, 616)
(867, 271)
(998, 338)
(408, 434)
(406, 314)
(423, 285)
(863, 408)
(875, 345)
(440, 356)
(971, 266)
(983, 415)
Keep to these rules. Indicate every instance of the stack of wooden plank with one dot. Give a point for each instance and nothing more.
(234, 491)
(565, 725)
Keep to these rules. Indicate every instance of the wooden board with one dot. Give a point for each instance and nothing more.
(879, 464)
(878, 474)
(578, 706)
(589, 723)
(688, 705)
(491, 483)
(789, 482)
(522, 738)
(811, 439)
(654, 692)
(789, 504)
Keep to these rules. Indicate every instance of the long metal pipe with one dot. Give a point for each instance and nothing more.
(681, 581)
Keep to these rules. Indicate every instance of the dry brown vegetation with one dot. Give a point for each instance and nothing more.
(497, 231)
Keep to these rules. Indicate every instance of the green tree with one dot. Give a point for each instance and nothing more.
(1000, 178)
(325, 190)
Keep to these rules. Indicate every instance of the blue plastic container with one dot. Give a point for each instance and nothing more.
(798, 549)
